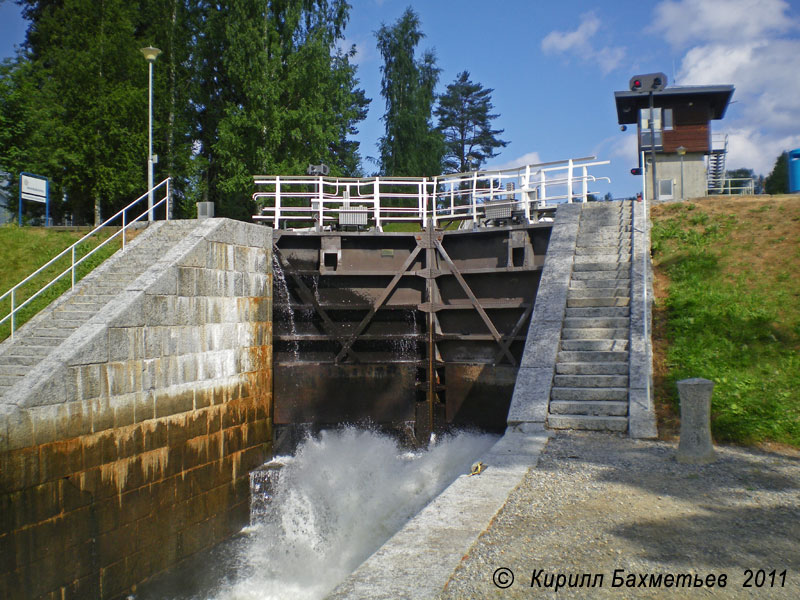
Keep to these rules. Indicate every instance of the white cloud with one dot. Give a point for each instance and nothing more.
(685, 21)
(753, 45)
(625, 147)
(578, 40)
(530, 158)
(751, 149)
(578, 43)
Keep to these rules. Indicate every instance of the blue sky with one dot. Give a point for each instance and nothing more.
(555, 65)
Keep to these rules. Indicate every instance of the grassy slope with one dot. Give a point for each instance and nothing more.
(26, 249)
(728, 309)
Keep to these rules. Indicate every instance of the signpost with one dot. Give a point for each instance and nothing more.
(37, 189)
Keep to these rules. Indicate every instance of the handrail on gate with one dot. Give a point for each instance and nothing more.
(320, 201)
(71, 250)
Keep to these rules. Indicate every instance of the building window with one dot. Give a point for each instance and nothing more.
(665, 189)
(667, 121)
(661, 121)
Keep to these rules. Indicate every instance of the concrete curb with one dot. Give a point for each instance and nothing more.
(531, 395)
(641, 409)
(418, 561)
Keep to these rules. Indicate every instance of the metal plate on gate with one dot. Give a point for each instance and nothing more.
(326, 393)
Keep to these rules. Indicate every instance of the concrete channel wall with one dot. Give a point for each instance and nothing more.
(128, 448)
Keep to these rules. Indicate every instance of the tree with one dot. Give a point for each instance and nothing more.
(411, 145)
(777, 182)
(465, 121)
(273, 95)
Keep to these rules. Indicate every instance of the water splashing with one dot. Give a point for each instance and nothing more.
(336, 502)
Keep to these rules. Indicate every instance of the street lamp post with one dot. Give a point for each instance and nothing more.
(681, 152)
(150, 55)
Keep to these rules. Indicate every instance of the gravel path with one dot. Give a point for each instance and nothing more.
(600, 502)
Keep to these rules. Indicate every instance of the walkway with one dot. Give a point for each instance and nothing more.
(600, 502)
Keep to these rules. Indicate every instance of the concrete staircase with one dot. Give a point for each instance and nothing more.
(590, 386)
(51, 327)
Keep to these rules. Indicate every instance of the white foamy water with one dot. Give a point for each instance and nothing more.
(337, 501)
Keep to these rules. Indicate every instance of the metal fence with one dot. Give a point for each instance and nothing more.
(121, 219)
(321, 202)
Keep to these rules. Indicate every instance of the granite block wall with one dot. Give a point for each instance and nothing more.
(129, 448)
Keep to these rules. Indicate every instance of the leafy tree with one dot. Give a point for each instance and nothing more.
(273, 95)
(411, 145)
(465, 121)
(242, 87)
(777, 182)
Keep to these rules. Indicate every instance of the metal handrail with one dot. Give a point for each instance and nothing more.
(446, 197)
(71, 250)
(747, 186)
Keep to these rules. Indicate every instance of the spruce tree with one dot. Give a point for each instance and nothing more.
(465, 121)
(777, 182)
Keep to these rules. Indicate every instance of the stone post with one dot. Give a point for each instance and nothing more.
(695, 445)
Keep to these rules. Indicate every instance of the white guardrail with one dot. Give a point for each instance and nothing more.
(321, 202)
(732, 186)
(121, 217)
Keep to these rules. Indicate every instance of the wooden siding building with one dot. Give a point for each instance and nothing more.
(681, 117)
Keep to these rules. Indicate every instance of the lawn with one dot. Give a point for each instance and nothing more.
(728, 309)
(25, 249)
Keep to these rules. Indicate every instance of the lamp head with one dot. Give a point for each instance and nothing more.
(681, 150)
(150, 53)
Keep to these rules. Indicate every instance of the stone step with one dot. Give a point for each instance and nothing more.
(621, 249)
(589, 394)
(609, 301)
(53, 333)
(600, 408)
(35, 341)
(592, 368)
(601, 258)
(71, 312)
(601, 240)
(605, 229)
(590, 381)
(596, 333)
(14, 370)
(619, 273)
(610, 265)
(21, 349)
(596, 322)
(599, 311)
(598, 292)
(584, 345)
(58, 321)
(587, 422)
(600, 283)
(25, 361)
(9, 380)
(588, 356)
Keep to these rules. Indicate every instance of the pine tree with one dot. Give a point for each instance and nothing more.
(465, 121)
(411, 146)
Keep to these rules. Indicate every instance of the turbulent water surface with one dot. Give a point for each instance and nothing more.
(341, 496)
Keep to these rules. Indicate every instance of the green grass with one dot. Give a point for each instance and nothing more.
(733, 316)
(26, 249)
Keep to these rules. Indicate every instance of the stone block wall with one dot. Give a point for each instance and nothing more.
(130, 449)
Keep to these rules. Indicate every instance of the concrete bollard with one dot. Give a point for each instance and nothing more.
(695, 446)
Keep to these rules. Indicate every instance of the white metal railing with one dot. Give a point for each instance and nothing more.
(311, 201)
(734, 186)
(122, 215)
